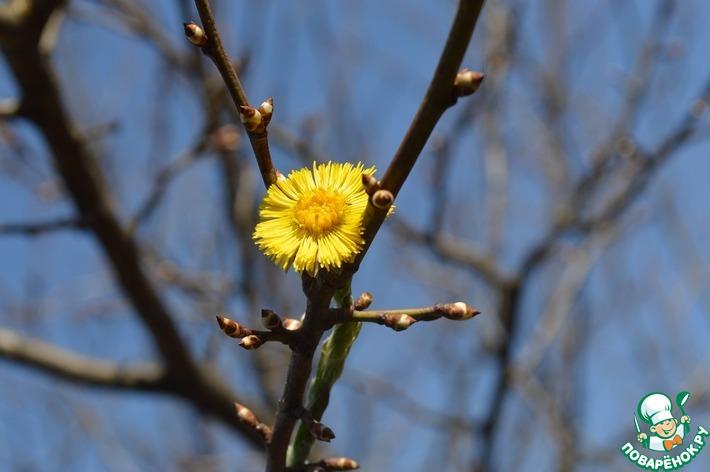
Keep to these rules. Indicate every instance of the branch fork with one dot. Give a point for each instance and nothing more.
(445, 87)
(256, 120)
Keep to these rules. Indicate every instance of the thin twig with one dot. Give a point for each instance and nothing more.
(252, 339)
(163, 178)
(215, 51)
(409, 406)
(325, 465)
(40, 227)
(401, 319)
(454, 250)
(297, 145)
(440, 95)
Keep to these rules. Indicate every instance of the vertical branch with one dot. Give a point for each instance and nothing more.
(441, 94)
(213, 48)
(299, 370)
(334, 352)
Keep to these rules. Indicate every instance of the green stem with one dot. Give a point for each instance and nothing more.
(330, 366)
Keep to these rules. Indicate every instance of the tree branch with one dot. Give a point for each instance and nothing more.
(287, 332)
(439, 97)
(290, 408)
(163, 178)
(202, 391)
(441, 94)
(41, 227)
(80, 369)
(325, 465)
(85, 183)
(455, 250)
(214, 50)
(401, 319)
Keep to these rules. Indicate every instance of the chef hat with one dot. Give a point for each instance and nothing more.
(655, 408)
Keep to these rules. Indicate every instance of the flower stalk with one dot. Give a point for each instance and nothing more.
(334, 352)
(319, 235)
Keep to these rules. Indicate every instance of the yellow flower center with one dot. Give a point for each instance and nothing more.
(318, 211)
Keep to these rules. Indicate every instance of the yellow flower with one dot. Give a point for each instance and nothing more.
(313, 219)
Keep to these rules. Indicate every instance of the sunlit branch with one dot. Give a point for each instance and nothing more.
(211, 44)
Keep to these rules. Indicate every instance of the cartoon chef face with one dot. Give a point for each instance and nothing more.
(655, 409)
(666, 428)
(664, 431)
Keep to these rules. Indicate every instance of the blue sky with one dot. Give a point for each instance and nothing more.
(358, 70)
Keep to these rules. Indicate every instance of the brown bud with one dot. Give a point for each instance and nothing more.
(626, 147)
(225, 138)
(267, 110)
(231, 328)
(251, 117)
(320, 431)
(398, 322)
(166, 270)
(459, 311)
(245, 415)
(467, 82)
(340, 463)
(247, 112)
(363, 301)
(382, 199)
(270, 320)
(265, 432)
(195, 34)
(699, 108)
(251, 342)
(291, 324)
(370, 183)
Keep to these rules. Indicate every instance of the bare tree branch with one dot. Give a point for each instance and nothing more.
(85, 182)
(80, 369)
(440, 95)
(296, 145)
(403, 318)
(214, 49)
(299, 370)
(40, 228)
(164, 177)
(451, 249)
